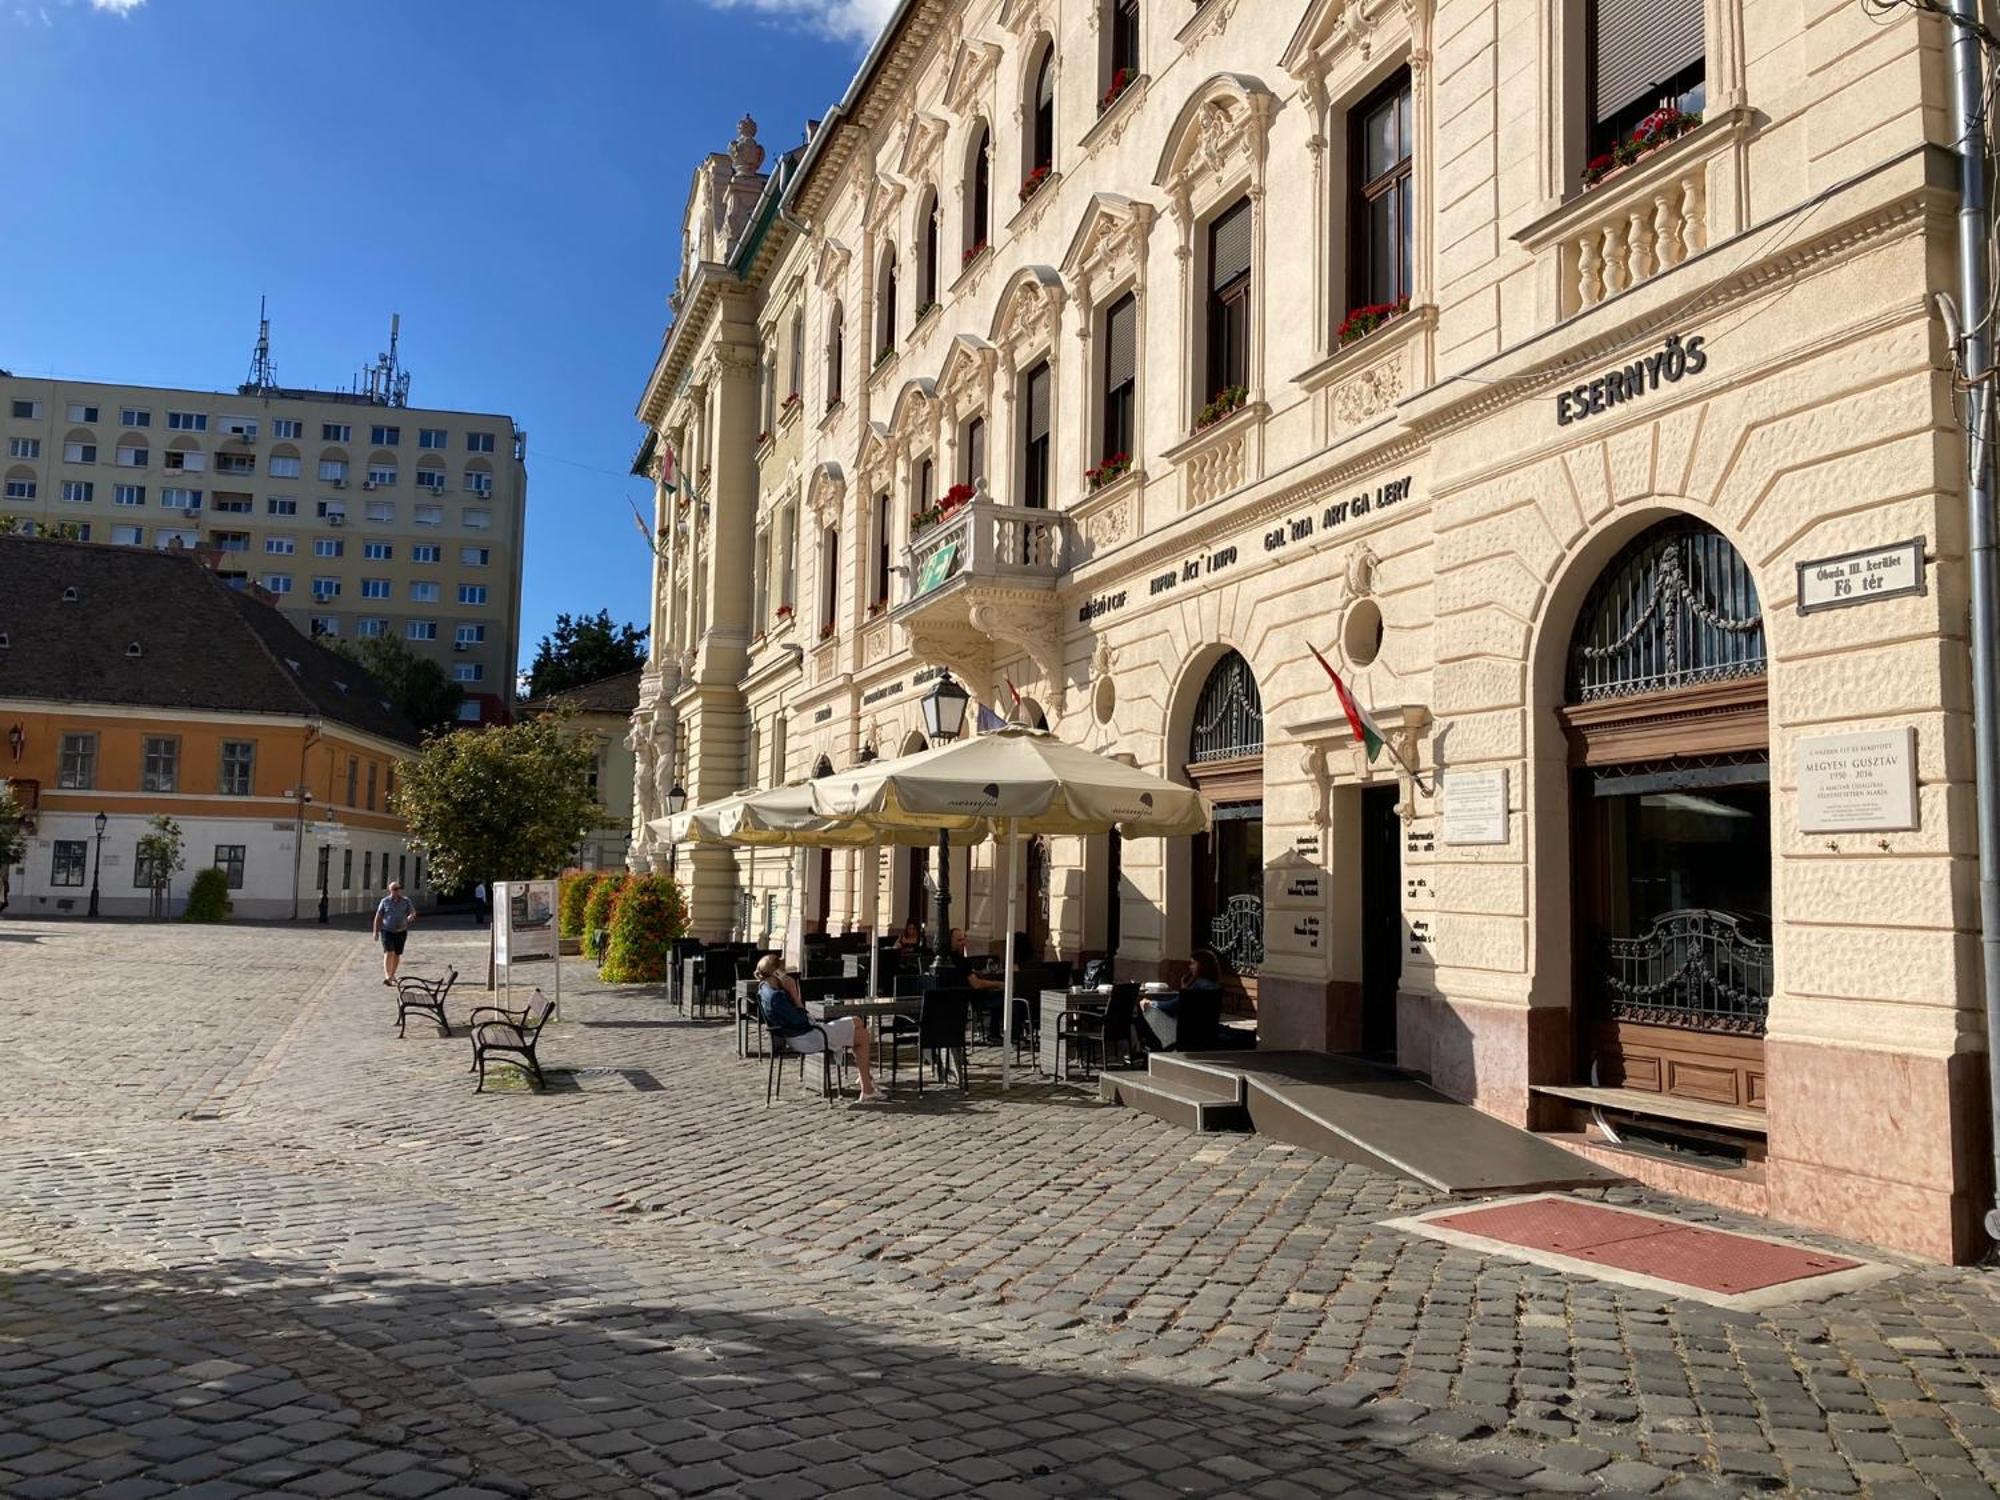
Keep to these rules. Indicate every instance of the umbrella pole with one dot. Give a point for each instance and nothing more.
(875, 927)
(1007, 992)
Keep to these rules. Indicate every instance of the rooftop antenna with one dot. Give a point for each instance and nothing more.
(263, 374)
(388, 381)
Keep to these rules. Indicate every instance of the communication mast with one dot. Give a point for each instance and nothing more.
(263, 374)
(388, 383)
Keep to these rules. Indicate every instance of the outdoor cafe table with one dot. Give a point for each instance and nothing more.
(871, 1011)
(1056, 1003)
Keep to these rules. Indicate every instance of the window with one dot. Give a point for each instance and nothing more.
(278, 583)
(70, 856)
(335, 432)
(1379, 207)
(167, 537)
(430, 515)
(180, 499)
(381, 474)
(286, 468)
(1036, 388)
(885, 307)
(471, 635)
(371, 626)
(134, 458)
(239, 759)
(836, 347)
(382, 512)
(797, 383)
(927, 272)
(353, 780)
(1040, 154)
(187, 421)
(1124, 59)
(475, 557)
(146, 871)
(347, 869)
(979, 196)
(79, 491)
(371, 785)
(328, 546)
(20, 489)
(788, 549)
(325, 586)
(286, 427)
(421, 630)
(234, 505)
(79, 453)
(333, 470)
(236, 463)
(24, 447)
(426, 552)
(384, 437)
(472, 593)
(881, 589)
(78, 412)
(478, 482)
(162, 764)
(476, 519)
(829, 579)
(232, 541)
(280, 546)
(467, 671)
(431, 437)
(279, 505)
(76, 766)
(468, 711)
(334, 510)
(479, 442)
(974, 449)
(134, 416)
(423, 592)
(229, 860)
(377, 551)
(127, 536)
(1121, 379)
(1229, 300)
(28, 411)
(431, 479)
(1643, 55)
(375, 588)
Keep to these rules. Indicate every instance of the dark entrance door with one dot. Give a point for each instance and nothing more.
(1381, 919)
(1036, 898)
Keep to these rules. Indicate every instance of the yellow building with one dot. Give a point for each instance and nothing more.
(135, 684)
(360, 516)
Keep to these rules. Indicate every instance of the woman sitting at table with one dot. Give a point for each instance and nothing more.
(1159, 1027)
(910, 939)
(785, 1013)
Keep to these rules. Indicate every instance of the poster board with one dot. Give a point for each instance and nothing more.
(524, 929)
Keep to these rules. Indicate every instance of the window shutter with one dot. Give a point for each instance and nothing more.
(1638, 44)
(1229, 246)
(1121, 343)
(1038, 402)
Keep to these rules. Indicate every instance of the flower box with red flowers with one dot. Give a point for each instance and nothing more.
(1651, 133)
(1113, 468)
(972, 253)
(784, 611)
(1227, 400)
(826, 632)
(955, 499)
(763, 437)
(1120, 81)
(790, 401)
(1363, 321)
(1033, 183)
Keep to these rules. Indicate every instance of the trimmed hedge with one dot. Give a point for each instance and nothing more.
(208, 897)
(600, 904)
(576, 888)
(649, 916)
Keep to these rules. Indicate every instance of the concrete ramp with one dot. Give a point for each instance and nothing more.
(1357, 1111)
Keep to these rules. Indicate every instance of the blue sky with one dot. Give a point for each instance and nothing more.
(506, 174)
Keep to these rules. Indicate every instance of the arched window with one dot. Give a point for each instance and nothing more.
(1225, 752)
(927, 272)
(979, 195)
(1040, 154)
(885, 306)
(1229, 714)
(836, 349)
(797, 374)
(1678, 606)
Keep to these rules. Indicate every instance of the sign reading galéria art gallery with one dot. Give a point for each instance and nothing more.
(1864, 782)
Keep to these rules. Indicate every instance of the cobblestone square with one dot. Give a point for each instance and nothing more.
(253, 1244)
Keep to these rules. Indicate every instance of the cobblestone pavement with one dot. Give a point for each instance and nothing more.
(254, 1244)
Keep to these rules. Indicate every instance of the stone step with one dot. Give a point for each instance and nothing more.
(1194, 1076)
(1175, 1104)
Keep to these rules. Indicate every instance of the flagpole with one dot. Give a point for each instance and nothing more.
(1341, 689)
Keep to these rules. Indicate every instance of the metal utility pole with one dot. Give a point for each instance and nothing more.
(1974, 356)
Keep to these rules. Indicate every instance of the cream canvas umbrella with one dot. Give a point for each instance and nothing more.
(1025, 781)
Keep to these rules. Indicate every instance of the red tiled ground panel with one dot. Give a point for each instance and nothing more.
(1710, 1259)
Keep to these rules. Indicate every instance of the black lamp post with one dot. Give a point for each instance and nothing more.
(944, 720)
(97, 864)
(677, 801)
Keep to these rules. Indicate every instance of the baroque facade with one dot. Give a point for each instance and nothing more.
(1516, 359)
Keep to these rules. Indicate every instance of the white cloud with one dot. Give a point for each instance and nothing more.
(859, 21)
(117, 7)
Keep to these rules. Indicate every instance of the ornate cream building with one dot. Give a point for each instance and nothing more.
(1520, 356)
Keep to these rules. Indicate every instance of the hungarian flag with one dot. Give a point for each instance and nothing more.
(1358, 718)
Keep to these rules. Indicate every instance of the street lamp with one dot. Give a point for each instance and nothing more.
(97, 865)
(944, 720)
(677, 801)
(17, 739)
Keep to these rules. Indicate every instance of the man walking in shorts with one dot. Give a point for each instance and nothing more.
(393, 916)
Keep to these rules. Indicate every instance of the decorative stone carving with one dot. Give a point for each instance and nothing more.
(1369, 393)
(971, 66)
(824, 492)
(1033, 627)
(746, 156)
(1109, 526)
(1320, 775)
(1027, 313)
(1109, 247)
(1359, 574)
(830, 266)
(923, 133)
(968, 369)
(1216, 470)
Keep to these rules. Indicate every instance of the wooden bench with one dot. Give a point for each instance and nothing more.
(509, 1036)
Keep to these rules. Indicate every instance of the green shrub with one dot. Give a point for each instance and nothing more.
(601, 903)
(576, 887)
(649, 916)
(208, 897)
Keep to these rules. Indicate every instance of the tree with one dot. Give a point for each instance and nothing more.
(649, 917)
(584, 649)
(13, 841)
(508, 802)
(159, 854)
(421, 689)
(576, 889)
(59, 531)
(208, 897)
(601, 909)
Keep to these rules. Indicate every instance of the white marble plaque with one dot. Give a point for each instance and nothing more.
(1475, 807)
(1858, 783)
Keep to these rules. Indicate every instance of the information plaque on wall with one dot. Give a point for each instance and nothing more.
(1865, 782)
(1475, 807)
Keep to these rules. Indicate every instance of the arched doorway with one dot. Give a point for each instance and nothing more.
(914, 887)
(1668, 735)
(1036, 862)
(821, 911)
(1225, 762)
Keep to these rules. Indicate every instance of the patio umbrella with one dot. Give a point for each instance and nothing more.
(1025, 780)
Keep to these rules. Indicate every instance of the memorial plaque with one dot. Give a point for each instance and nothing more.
(1858, 783)
(1864, 577)
(1475, 807)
